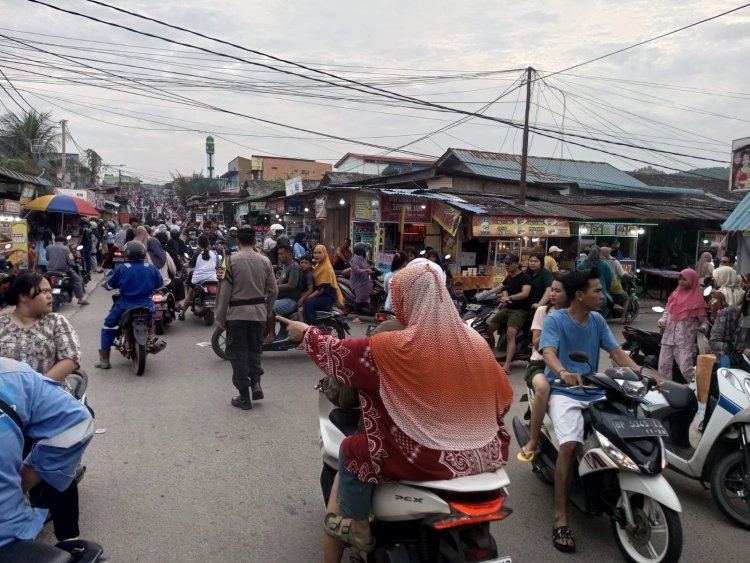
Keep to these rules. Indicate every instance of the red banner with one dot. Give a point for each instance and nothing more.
(416, 211)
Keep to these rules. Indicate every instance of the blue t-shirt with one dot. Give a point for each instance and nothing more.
(561, 331)
(63, 428)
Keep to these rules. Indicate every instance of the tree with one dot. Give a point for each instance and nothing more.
(185, 186)
(93, 163)
(29, 137)
(390, 171)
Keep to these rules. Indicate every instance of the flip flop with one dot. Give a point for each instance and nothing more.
(563, 533)
(340, 527)
(522, 455)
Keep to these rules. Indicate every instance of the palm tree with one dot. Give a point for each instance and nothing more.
(28, 136)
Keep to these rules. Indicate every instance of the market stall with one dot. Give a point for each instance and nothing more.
(622, 237)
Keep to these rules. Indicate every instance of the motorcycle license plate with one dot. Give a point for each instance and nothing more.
(209, 303)
(56, 291)
(504, 559)
(639, 428)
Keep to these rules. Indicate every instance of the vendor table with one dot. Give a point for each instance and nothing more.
(474, 282)
(665, 277)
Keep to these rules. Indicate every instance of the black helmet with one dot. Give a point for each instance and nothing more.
(135, 250)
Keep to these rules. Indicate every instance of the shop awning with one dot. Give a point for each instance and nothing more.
(450, 199)
(739, 220)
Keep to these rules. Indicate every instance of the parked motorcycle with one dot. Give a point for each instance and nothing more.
(619, 467)
(166, 309)
(67, 551)
(330, 321)
(421, 521)
(722, 454)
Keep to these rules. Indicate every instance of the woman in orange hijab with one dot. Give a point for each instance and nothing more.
(433, 399)
(327, 290)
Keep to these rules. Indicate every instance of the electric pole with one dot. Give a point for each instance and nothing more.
(525, 148)
(64, 159)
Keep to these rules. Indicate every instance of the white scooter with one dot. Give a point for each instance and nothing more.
(619, 467)
(447, 521)
(722, 454)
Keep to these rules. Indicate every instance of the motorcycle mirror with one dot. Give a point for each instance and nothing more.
(707, 291)
(657, 309)
(79, 247)
(580, 357)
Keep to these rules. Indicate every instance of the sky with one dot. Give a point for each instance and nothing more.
(146, 105)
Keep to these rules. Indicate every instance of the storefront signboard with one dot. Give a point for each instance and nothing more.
(446, 216)
(507, 226)
(416, 211)
(278, 205)
(384, 261)
(320, 207)
(363, 232)
(366, 207)
(293, 185)
(258, 205)
(608, 229)
(242, 209)
(16, 233)
(295, 207)
(11, 206)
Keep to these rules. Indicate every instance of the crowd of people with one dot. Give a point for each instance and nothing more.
(286, 282)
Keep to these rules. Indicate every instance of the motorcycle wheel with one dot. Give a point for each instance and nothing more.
(159, 326)
(219, 343)
(332, 328)
(139, 358)
(729, 488)
(208, 318)
(654, 523)
(633, 309)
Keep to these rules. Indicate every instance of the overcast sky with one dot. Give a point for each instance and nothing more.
(688, 93)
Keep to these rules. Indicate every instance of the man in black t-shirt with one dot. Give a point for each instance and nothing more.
(289, 277)
(516, 306)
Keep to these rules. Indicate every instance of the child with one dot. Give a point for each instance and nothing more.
(307, 283)
(459, 299)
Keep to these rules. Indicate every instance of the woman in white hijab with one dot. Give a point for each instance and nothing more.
(727, 281)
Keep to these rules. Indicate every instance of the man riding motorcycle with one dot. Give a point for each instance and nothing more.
(136, 282)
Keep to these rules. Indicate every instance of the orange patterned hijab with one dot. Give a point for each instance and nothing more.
(324, 273)
(440, 382)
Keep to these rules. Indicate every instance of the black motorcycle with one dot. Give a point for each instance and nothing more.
(377, 293)
(134, 339)
(166, 309)
(204, 300)
(330, 321)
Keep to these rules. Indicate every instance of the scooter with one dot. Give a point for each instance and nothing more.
(68, 551)
(414, 521)
(204, 300)
(377, 293)
(630, 286)
(380, 317)
(619, 466)
(478, 313)
(722, 454)
(62, 288)
(330, 321)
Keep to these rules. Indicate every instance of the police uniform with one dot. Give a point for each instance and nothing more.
(246, 296)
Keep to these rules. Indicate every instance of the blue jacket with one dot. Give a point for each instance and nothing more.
(63, 428)
(136, 282)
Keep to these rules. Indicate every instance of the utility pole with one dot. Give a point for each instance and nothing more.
(64, 159)
(525, 148)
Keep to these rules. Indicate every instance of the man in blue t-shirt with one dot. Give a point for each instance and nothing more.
(579, 328)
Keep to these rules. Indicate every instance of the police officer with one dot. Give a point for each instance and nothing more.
(246, 297)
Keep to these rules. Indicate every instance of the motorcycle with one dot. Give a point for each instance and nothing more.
(67, 551)
(619, 466)
(166, 310)
(380, 317)
(62, 288)
(630, 285)
(204, 300)
(478, 313)
(330, 321)
(134, 340)
(415, 521)
(722, 454)
(377, 293)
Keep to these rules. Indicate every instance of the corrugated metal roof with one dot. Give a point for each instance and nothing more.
(450, 199)
(21, 177)
(495, 165)
(739, 220)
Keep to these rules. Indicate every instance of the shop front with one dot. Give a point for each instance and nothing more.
(14, 241)
(624, 238)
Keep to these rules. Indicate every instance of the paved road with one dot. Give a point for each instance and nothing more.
(180, 475)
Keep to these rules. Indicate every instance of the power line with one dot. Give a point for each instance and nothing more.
(16, 91)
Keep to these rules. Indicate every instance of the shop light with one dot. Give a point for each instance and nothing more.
(641, 231)
(424, 206)
(705, 241)
(307, 209)
(342, 201)
(584, 230)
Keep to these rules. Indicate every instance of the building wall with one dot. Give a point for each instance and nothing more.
(242, 166)
(285, 168)
(476, 185)
(362, 166)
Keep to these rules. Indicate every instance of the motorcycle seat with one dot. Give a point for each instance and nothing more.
(30, 551)
(134, 311)
(470, 484)
(678, 396)
(346, 420)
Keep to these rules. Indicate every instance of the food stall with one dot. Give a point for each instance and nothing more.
(626, 235)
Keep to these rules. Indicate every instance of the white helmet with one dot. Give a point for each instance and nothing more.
(275, 227)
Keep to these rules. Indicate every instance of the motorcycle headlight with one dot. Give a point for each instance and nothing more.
(615, 454)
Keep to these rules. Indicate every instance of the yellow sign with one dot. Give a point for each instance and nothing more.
(446, 216)
(15, 233)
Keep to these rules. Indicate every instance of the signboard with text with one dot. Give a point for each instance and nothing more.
(739, 179)
(446, 216)
(416, 211)
(507, 226)
(293, 186)
(608, 229)
(366, 207)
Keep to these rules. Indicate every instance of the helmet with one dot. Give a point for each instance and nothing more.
(276, 227)
(232, 229)
(135, 250)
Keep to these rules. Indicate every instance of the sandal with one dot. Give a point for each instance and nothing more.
(525, 456)
(340, 527)
(562, 539)
(181, 316)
